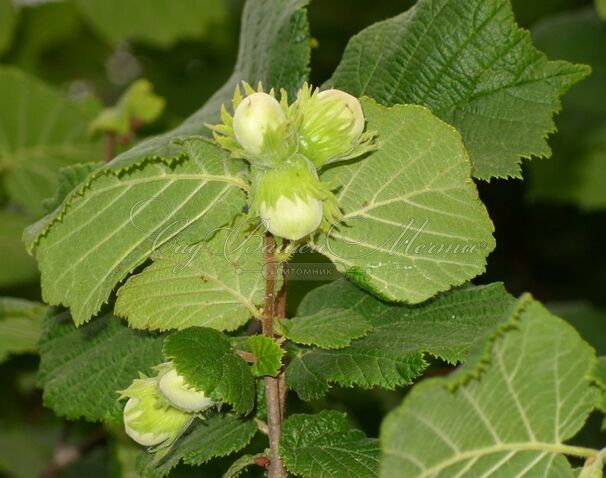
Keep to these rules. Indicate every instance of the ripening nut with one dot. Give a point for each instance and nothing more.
(179, 393)
(255, 118)
(292, 218)
(148, 417)
(351, 110)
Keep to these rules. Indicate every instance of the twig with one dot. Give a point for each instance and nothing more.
(281, 314)
(108, 146)
(272, 387)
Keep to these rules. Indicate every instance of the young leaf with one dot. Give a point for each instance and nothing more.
(238, 466)
(18, 267)
(219, 435)
(472, 66)
(413, 224)
(42, 132)
(268, 355)
(216, 284)
(205, 358)
(391, 355)
(323, 446)
(20, 326)
(274, 49)
(81, 369)
(507, 413)
(328, 329)
(112, 225)
(160, 23)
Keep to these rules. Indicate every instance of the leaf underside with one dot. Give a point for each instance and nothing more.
(501, 415)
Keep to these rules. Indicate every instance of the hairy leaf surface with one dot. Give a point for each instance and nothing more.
(413, 223)
(504, 414)
(205, 358)
(117, 224)
(472, 66)
(82, 369)
(216, 284)
(323, 446)
(391, 355)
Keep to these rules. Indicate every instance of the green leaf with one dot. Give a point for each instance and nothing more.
(274, 49)
(138, 103)
(8, 22)
(216, 436)
(69, 178)
(18, 267)
(41, 131)
(600, 376)
(507, 413)
(328, 328)
(323, 446)
(81, 369)
(589, 321)
(391, 355)
(112, 225)
(20, 326)
(472, 66)
(205, 358)
(413, 223)
(268, 355)
(160, 23)
(215, 284)
(575, 174)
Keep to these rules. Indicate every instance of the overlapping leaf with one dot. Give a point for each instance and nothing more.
(20, 326)
(268, 355)
(81, 369)
(219, 435)
(507, 413)
(413, 224)
(117, 224)
(40, 131)
(205, 358)
(216, 284)
(327, 329)
(469, 63)
(323, 446)
(391, 355)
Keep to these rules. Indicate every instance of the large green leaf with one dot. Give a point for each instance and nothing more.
(41, 130)
(274, 49)
(577, 171)
(508, 413)
(469, 63)
(159, 23)
(217, 436)
(113, 225)
(323, 446)
(391, 355)
(216, 284)
(17, 266)
(205, 358)
(413, 224)
(20, 326)
(82, 369)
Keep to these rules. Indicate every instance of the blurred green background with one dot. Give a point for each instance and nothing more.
(74, 56)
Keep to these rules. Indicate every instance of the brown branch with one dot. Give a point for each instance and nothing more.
(281, 313)
(272, 387)
(249, 357)
(108, 146)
